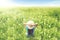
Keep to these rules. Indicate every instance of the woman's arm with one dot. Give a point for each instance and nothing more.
(36, 24)
(24, 24)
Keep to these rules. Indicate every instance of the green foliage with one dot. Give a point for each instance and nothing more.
(12, 28)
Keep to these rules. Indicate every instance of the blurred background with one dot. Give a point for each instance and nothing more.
(13, 13)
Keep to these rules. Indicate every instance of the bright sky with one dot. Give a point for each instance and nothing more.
(27, 3)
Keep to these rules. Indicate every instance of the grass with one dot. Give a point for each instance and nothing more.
(12, 28)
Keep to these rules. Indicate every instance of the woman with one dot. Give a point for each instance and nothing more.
(30, 26)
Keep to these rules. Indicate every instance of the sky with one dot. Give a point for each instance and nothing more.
(28, 3)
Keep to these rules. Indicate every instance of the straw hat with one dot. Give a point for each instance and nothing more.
(30, 23)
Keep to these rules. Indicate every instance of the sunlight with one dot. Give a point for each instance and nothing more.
(11, 3)
(6, 3)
